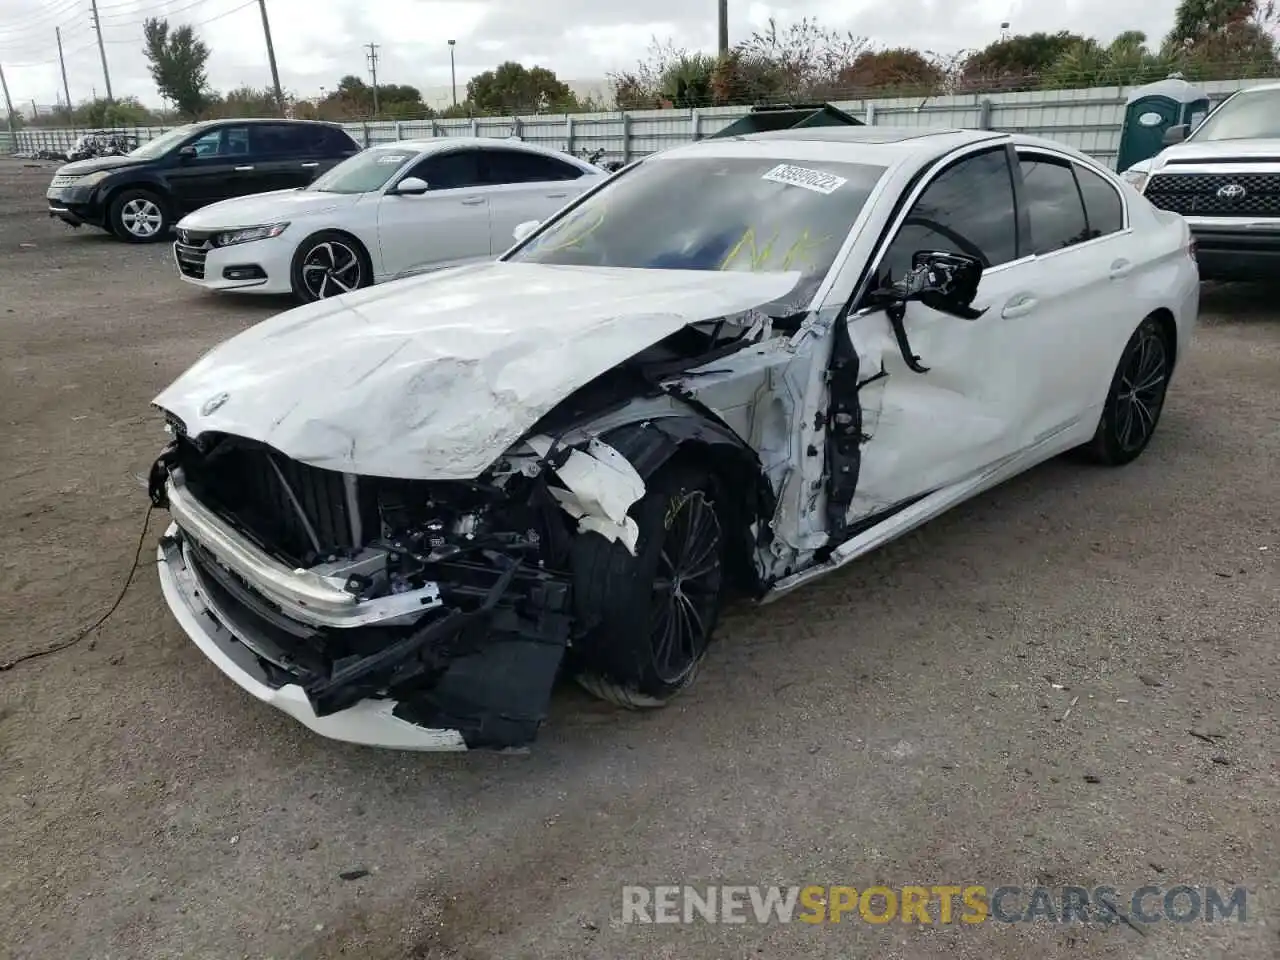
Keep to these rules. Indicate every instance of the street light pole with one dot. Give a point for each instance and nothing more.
(453, 74)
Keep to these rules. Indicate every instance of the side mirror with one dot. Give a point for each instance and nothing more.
(187, 153)
(523, 230)
(1176, 134)
(946, 282)
(410, 187)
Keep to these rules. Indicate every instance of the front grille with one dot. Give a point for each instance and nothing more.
(256, 488)
(192, 249)
(1216, 194)
(64, 180)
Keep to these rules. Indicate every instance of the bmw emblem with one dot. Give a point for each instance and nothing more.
(214, 403)
(1232, 191)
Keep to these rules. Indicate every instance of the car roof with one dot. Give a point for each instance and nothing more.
(433, 144)
(256, 120)
(883, 146)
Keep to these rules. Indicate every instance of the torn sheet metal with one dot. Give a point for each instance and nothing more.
(602, 486)
(433, 378)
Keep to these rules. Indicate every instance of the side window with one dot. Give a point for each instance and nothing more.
(455, 170)
(1102, 203)
(223, 142)
(967, 209)
(333, 142)
(279, 140)
(517, 166)
(1053, 203)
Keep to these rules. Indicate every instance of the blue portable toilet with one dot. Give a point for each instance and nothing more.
(1151, 110)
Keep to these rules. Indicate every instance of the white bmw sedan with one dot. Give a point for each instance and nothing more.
(733, 367)
(389, 211)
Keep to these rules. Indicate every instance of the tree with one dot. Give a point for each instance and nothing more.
(125, 112)
(1125, 61)
(1017, 61)
(900, 69)
(242, 102)
(177, 62)
(1215, 39)
(804, 59)
(512, 88)
(354, 98)
(1196, 20)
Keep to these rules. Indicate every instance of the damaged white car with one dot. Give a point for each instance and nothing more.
(400, 514)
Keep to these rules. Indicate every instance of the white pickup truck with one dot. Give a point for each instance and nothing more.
(1224, 178)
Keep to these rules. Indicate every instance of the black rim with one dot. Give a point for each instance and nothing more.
(686, 588)
(1140, 393)
(329, 269)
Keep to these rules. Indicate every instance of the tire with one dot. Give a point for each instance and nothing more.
(139, 216)
(327, 264)
(1136, 398)
(647, 629)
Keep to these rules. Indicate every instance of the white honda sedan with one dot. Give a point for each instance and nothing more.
(388, 211)
(734, 367)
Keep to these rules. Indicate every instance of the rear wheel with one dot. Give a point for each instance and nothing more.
(1136, 398)
(138, 216)
(650, 616)
(328, 264)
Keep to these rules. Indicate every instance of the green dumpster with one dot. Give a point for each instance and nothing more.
(1150, 111)
(787, 116)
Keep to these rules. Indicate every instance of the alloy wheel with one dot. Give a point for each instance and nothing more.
(1140, 393)
(687, 586)
(331, 268)
(142, 217)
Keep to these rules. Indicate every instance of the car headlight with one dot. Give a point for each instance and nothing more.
(246, 234)
(90, 179)
(1138, 178)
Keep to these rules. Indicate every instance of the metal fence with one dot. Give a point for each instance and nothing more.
(1088, 120)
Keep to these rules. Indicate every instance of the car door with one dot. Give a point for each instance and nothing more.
(524, 186)
(1085, 261)
(220, 169)
(447, 224)
(280, 154)
(966, 412)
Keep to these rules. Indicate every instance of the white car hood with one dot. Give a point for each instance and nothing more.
(263, 208)
(434, 377)
(1211, 150)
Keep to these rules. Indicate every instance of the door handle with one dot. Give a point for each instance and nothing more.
(313, 163)
(472, 201)
(556, 196)
(1120, 269)
(1019, 306)
(243, 169)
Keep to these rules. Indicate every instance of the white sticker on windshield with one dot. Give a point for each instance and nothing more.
(814, 180)
(393, 158)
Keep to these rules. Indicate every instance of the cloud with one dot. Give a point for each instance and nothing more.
(318, 41)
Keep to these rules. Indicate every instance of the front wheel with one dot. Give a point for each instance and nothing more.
(649, 616)
(328, 264)
(1136, 398)
(138, 216)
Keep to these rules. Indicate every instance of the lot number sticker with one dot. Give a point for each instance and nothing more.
(814, 180)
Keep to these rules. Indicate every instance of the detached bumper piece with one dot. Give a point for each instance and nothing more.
(474, 671)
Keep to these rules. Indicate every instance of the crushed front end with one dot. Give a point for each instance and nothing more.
(412, 614)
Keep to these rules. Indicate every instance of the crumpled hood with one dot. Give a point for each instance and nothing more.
(263, 208)
(436, 376)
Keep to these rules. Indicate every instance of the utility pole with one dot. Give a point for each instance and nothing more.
(102, 50)
(8, 106)
(723, 25)
(63, 63)
(373, 69)
(271, 55)
(453, 74)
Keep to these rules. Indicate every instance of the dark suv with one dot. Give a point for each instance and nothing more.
(140, 195)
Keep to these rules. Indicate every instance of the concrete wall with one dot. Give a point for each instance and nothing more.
(1086, 119)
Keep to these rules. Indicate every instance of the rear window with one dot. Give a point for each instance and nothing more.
(715, 213)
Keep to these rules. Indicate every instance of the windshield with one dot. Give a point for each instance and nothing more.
(715, 213)
(1246, 116)
(367, 171)
(163, 143)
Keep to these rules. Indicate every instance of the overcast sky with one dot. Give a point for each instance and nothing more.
(318, 41)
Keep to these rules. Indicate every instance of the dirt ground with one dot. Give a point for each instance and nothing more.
(903, 723)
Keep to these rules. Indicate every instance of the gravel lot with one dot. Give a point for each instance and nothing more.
(898, 724)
